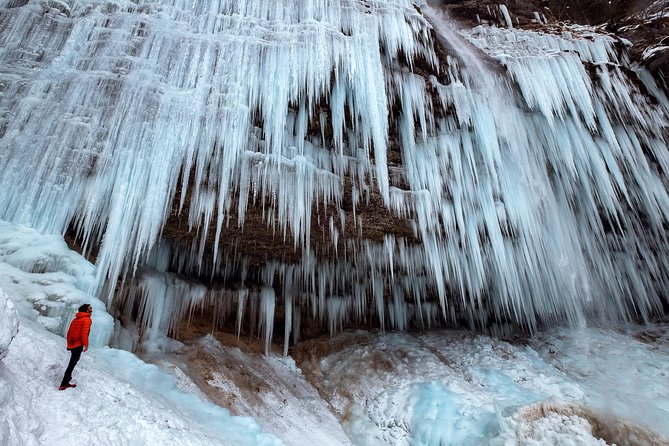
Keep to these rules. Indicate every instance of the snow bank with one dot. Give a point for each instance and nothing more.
(9, 323)
(46, 279)
(269, 388)
(119, 400)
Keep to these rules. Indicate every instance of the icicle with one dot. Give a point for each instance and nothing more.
(241, 303)
(505, 14)
(266, 322)
(288, 323)
(297, 314)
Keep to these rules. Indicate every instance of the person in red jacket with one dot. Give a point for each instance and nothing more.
(77, 341)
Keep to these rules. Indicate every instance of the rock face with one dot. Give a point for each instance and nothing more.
(257, 239)
(648, 30)
(645, 23)
(285, 165)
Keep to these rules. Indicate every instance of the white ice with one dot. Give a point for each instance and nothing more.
(440, 388)
(119, 400)
(9, 323)
(455, 388)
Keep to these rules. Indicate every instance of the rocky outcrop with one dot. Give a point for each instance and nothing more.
(648, 30)
(644, 23)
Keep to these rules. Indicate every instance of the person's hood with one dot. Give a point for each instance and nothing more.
(83, 314)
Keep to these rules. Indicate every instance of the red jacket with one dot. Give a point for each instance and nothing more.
(77, 335)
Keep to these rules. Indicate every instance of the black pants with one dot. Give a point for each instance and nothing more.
(76, 354)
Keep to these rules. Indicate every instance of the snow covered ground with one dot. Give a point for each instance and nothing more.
(580, 386)
(119, 400)
(566, 386)
(400, 389)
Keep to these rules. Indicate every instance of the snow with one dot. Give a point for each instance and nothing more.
(47, 280)
(656, 10)
(119, 400)
(9, 323)
(653, 51)
(458, 388)
(272, 390)
(533, 174)
(394, 389)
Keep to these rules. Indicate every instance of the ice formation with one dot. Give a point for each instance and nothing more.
(531, 170)
(9, 323)
(43, 280)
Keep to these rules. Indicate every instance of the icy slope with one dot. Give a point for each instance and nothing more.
(267, 387)
(570, 386)
(449, 388)
(9, 323)
(119, 400)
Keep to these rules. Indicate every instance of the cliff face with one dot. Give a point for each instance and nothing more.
(590, 12)
(289, 169)
(648, 29)
(645, 23)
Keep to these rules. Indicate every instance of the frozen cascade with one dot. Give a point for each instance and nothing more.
(536, 193)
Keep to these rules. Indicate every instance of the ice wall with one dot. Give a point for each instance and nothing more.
(536, 188)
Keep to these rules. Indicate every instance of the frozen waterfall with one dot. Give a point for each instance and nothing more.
(536, 191)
